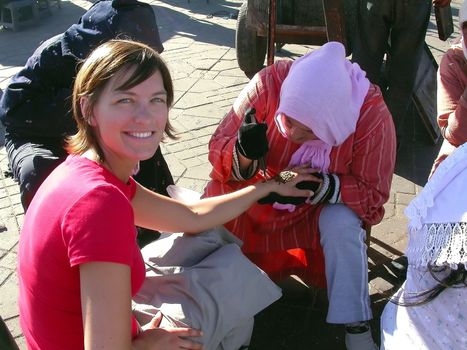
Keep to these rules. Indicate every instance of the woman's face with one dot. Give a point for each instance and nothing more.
(130, 123)
(296, 131)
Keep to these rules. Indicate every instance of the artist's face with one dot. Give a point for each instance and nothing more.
(296, 131)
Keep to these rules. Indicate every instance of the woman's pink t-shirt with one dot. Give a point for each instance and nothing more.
(81, 213)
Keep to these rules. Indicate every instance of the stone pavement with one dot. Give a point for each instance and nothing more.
(199, 45)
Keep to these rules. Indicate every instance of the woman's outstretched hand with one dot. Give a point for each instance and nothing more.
(294, 186)
(155, 338)
(285, 182)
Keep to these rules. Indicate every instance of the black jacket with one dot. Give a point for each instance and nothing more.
(37, 100)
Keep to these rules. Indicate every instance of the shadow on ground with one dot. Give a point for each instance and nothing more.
(18, 50)
(415, 159)
(192, 22)
(196, 24)
(298, 320)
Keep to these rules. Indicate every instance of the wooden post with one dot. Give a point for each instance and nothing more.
(334, 18)
(271, 31)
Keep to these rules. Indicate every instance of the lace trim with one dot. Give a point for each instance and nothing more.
(439, 245)
(417, 210)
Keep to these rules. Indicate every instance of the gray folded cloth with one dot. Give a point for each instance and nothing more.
(186, 250)
(205, 282)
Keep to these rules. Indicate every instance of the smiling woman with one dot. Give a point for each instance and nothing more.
(79, 264)
(124, 103)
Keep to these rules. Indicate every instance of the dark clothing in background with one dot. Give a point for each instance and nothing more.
(36, 105)
(398, 28)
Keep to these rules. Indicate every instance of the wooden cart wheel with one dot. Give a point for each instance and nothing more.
(251, 48)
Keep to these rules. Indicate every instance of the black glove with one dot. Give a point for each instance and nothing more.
(252, 142)
(274, 197)
(329, 192)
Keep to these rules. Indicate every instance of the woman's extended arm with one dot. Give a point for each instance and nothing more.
(106, 308)
(164, 214)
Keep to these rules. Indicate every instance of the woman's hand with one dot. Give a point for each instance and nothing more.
(286, 181)
(156, 338)
(305, 169)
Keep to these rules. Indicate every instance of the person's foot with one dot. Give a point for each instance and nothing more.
(358, 337)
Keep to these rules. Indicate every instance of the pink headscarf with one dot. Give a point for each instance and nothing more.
(325, 92)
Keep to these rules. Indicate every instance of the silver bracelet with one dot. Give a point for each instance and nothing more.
(337, 189)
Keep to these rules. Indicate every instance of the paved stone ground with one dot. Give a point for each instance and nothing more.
(199, 46)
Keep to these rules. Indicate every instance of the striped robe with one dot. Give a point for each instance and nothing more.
(283, 242)
(452, 102)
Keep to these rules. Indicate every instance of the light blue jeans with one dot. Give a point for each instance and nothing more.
(343, 242)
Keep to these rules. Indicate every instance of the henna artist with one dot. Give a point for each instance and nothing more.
(322, 113)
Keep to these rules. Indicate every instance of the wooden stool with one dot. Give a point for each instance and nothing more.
(19, 13)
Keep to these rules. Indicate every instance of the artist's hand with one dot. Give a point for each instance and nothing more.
(441, 3)
(156, 338)
(305, 169)
(252, 142)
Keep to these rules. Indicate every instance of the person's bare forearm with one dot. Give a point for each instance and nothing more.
(172, 216)
(221, 209)
(164, 214)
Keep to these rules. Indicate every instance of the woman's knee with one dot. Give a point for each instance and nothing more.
(339, 222)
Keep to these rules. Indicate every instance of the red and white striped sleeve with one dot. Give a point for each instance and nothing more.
(367, 186)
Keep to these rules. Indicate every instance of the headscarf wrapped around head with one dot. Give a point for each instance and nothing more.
(438, 216)
(325, 92)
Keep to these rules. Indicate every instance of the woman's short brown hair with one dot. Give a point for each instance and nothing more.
(111, 58)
